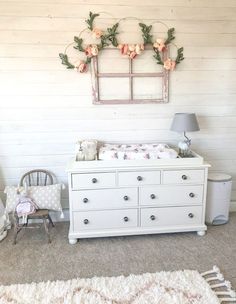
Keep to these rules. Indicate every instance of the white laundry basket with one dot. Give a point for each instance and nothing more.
(218, 198)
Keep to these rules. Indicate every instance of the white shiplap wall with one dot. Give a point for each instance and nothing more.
(46, 108)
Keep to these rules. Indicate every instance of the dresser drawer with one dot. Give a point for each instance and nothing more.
(171, 195)
(104, 198)
(93, 180)
(172, 216)
(183, 177)
(108, 219)
(138, 178)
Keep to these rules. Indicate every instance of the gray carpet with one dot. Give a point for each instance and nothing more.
(32, 259)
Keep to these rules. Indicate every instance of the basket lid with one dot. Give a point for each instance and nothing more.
(219, 177)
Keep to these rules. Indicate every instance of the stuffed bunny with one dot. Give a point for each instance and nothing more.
(90, 149)
(86, 150)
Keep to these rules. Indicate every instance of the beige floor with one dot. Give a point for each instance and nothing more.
(32, 259)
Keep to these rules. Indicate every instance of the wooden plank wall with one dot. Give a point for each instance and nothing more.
(45, 108)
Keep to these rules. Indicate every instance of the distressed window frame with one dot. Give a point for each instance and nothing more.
(96, 75)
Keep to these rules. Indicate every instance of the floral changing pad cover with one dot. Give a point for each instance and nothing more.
(135, 151)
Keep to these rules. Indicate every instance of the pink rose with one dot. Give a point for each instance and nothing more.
(160, 45)
(132, 55)
(123, 48)
(81, 66)
(131, 47)
(97, 33)
(169, 64)
(139, 48)
(131, 50)
(91, 50)
(88, 51)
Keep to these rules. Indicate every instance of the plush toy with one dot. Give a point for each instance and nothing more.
(86, 150)
(90, 149)
(24, 205)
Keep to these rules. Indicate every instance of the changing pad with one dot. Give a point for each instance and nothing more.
(135, 151)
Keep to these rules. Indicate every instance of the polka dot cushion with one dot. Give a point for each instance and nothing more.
(46, 197)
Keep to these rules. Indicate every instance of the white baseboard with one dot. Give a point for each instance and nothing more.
(56, 215)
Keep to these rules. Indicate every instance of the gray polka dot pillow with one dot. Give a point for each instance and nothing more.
(46, 197)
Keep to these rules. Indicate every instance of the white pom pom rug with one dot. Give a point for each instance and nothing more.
(178, 287)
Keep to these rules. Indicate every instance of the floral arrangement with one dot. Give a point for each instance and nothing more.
(131, 50)
(109, 37)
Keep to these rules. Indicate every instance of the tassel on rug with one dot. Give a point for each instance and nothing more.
(225, 296)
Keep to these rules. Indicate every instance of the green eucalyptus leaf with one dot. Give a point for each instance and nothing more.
(65, 61)
(90, 20)
(147, 37)
(79, 42)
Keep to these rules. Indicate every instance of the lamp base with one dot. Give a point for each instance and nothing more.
(184, 149)
(186, 155)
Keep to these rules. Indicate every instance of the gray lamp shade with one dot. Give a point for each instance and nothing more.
(185, 122)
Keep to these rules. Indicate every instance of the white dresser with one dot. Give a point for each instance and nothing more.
(136, 197)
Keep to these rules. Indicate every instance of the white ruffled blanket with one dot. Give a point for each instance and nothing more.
(136, 152)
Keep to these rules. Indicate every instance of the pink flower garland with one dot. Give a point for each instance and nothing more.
(130, 50)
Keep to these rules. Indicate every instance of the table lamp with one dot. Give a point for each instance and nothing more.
(185, 122)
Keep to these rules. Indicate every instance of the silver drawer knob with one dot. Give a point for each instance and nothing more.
(152, 196)
(85, 200)
(190, 215)
(152, 217)
(94, 180)
(126, 198)
(191, 194)
(184, 177)
(139, 178)
(126, 218)
(86, 221)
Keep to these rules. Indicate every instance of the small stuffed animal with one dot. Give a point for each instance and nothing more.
(90, 149)
(25, 205)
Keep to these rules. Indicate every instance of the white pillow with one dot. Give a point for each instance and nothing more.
(46, 197)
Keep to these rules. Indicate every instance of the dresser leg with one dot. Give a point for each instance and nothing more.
(201, 232)
(72, 241)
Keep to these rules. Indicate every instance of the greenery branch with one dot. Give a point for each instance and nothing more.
(78, 42)
(170, 36)
(180, 55)
(65, 61)
(90, 20)
(147, 37)
(158, 58)
(111, 35)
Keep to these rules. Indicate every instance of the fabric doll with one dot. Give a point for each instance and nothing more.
(25, 205)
